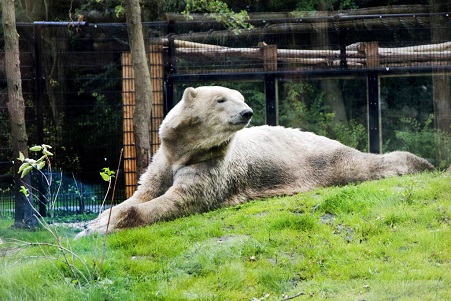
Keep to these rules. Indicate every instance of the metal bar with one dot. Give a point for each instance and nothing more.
(169, 95)
(39, 78)
(271, 100)
(374, 116)
(170, 68)
(338, 73)
(327, 18)
(38, 83)
(252, 21)
(60, 24)
(342, 32)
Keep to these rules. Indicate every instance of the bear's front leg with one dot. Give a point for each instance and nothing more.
(107, 219)
(136, 214)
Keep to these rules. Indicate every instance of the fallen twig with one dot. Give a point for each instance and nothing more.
(294, 296)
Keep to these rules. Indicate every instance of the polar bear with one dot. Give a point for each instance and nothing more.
(208, 159)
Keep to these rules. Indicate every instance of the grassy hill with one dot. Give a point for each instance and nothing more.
(380, 240)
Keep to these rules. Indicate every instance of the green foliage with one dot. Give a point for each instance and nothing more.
(423, 140)
(379, 240)
(255, 98)
(74, 270)
(303, 107)
(28, 164)
(351, 133)
(119, 10)
(313, 5)
(221, 12)
(53, 187)
(105, 8)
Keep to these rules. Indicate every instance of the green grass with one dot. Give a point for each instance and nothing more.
(381, 240)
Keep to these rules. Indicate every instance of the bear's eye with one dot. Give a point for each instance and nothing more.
(220, 100)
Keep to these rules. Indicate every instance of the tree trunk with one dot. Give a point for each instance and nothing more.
(143, 89)
(16, 107)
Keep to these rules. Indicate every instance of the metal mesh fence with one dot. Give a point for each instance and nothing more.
(72, 82)
(315, 43)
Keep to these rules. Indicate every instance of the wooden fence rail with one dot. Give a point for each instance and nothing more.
(361, 55)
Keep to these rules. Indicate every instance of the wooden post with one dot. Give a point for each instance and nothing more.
(157, 82)
(128, 100)
(128, 105)
(271, 83)
(372, 54)
(269, 57)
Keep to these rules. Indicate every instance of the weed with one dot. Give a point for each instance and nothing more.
(407, 194)
(72, 273)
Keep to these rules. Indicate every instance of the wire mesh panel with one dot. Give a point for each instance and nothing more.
(314, 43)
(79, 89)
(72, 92)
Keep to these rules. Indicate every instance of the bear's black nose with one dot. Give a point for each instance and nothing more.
(247, 114)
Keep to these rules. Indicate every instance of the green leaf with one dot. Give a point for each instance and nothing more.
(46, 152)
(105, 177)
(26, 170)
(30, 161)
(106, 174)
(22, 167)
(42, 159)
(36, 148)
(119, 10)
(24, 190)
(21, 157)
(40, 165)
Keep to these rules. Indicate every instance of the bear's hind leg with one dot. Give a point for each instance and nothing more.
(400, 163)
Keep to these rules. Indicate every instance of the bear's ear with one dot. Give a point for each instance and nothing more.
(189, 94)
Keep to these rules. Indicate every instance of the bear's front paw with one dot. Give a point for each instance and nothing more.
(119, 218)
(100, 225)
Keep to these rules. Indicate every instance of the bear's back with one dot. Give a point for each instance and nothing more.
(279, 141)
(279, 160)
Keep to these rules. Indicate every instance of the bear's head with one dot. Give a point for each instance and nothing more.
(206, 117)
